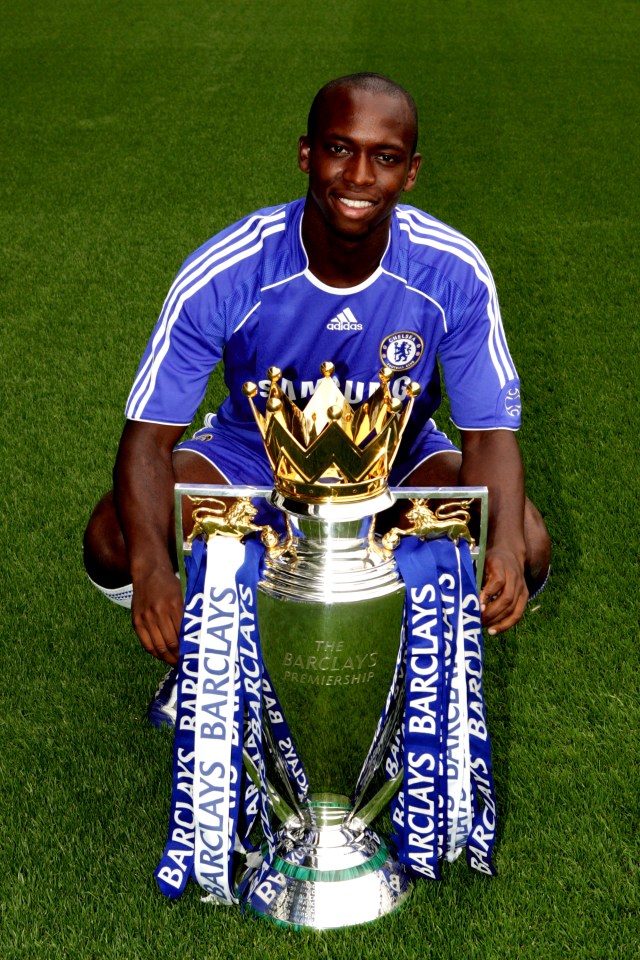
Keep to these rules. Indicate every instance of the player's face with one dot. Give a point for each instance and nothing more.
(360, 160)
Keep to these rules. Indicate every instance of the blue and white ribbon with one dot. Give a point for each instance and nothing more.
(296, 774)
(218, 723)
(209, 724)
(456, 754)
(251, 670)
(222, 691)
(483, 830)
(176, 865)
(421, 795)
(447, 799)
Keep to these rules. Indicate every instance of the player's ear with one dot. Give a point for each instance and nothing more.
(304, 151)
(412, 176)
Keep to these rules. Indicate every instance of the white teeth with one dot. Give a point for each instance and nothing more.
(356, 204)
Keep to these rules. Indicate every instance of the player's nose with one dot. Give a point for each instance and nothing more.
(359, 171)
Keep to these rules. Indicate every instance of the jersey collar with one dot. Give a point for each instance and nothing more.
(300, 261)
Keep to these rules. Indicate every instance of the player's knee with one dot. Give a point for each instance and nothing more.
(103, 547)
(190, 467)
(441, 469)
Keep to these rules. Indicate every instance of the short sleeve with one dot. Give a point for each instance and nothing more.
(480, 377)
(180, 355)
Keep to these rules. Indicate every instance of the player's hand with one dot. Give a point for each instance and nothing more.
(504, 594)
(156, 613)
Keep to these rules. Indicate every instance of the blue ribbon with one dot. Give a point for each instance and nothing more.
(437, 574)
(176, 864)
(282, 735)
(483, 831)
(252, 672)
(252, 690)
(420, 796)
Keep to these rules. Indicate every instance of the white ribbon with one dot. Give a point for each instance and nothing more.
(215, 796)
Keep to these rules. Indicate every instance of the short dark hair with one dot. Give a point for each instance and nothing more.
(373, 83)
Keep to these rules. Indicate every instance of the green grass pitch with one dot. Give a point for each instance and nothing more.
(131, 132)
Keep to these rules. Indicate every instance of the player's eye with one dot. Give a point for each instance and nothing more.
(337, 149)
(387, 158)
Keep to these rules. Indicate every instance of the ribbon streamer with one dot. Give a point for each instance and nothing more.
(447, 800)
(441, 741)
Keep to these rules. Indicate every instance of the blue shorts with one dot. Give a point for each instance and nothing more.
(238, 454)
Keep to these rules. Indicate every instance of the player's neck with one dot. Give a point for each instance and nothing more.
(340, 261)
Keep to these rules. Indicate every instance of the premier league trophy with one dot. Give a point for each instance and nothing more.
(324, 690)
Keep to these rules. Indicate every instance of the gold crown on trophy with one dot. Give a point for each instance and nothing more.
(331, 451)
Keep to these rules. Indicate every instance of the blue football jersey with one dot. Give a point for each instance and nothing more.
(247, 297)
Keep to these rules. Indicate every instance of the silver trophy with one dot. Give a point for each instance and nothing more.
(330, 609)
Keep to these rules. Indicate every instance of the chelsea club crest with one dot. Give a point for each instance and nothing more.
(401, 350)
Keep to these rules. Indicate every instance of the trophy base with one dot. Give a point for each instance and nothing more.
(329, 871)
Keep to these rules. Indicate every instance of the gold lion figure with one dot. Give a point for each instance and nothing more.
(233, 521)
(237, 521)
(448, 520)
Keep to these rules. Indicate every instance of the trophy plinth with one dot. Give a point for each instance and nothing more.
(329, 871)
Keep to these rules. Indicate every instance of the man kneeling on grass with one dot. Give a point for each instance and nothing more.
(348, 274)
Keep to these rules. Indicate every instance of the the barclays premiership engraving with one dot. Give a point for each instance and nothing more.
(329, 665)
(357, 678)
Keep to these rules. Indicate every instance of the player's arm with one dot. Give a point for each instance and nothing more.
(492, 458)
(143, 490)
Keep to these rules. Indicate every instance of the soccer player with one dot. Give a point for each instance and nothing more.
(349, 275)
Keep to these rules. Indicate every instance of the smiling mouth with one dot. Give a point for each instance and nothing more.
(356, 204)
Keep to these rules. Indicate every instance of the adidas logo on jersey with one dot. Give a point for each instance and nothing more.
(344, 321)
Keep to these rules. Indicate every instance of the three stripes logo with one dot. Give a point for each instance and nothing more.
(344, 321)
